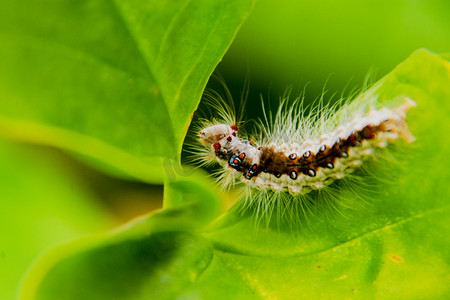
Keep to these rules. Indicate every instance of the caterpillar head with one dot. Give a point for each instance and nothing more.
(215, 133)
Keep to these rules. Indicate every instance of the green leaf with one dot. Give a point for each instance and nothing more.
(41, 205)
(115, 81)
(396, 249)
(147, 243)
(157, 266)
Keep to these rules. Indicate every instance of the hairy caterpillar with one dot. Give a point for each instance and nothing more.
(293, 154)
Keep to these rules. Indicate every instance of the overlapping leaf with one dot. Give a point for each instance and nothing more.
(41, 205)
(115, 81)
(397, 249)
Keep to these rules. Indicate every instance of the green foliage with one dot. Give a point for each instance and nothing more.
(396, 249)
(309, 43)
(41, 205)
(117, 83)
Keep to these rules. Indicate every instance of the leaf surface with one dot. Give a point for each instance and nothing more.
(114, 81)
(41, 205)
(395, 249)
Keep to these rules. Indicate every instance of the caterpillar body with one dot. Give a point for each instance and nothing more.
(313, 163)
(293, 155)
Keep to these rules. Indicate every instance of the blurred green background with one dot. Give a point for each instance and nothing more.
(297, 43)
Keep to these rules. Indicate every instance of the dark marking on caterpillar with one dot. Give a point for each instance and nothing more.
(322, 158)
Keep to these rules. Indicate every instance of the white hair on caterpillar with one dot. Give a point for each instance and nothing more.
(293, 154)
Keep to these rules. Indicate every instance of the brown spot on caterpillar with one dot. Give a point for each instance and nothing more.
(352, 139)
(396, 258)
(229, 138)
(272, 161)
(234, 127)
(368, 132)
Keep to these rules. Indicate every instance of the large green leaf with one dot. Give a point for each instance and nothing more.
(41, 205)
(115, 81)
(145, 244)
(395, 249)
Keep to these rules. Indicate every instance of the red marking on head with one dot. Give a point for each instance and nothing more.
(229, 138)
(217, 146)
(234, 127)
(259, 148)
(252, 143)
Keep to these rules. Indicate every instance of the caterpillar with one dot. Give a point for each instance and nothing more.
(293, 155)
